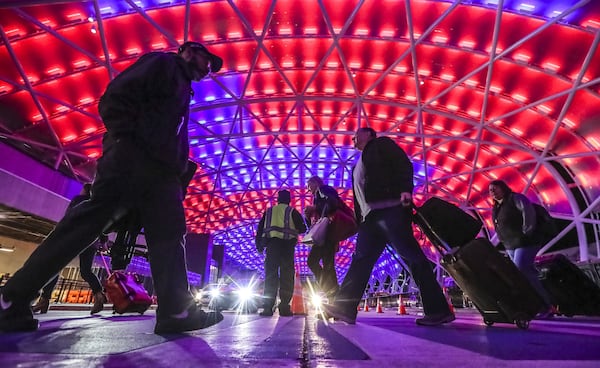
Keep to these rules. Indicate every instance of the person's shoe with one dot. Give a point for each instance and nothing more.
(285, 312)
(99, 300)
(16, 317)
(191, 319)
(266, 312)
(435, 319)
(41, 306)
(332, 311)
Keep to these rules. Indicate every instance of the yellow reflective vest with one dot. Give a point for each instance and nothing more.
(279, 223)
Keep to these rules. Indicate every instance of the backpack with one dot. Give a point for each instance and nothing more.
(546, 228)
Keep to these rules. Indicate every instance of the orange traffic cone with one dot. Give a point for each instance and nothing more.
(298, 297)
(401, 307)
(366, 305)
(379, 307)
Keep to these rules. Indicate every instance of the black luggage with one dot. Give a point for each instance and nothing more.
(491, 280)
(572, 291)
(445, 224)
(591, 270)
(496, 287)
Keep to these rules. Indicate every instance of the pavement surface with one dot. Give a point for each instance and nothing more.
(70, 337)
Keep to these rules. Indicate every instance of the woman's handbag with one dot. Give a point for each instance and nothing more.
(317, 234)
(343, 224)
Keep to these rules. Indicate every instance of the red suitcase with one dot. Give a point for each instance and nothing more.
(126, 292)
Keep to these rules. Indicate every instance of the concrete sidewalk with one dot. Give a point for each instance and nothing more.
(73, 338)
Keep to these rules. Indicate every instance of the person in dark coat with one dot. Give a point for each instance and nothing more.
(145, 154)
(325, 202)
(382, 181)
(515, 224)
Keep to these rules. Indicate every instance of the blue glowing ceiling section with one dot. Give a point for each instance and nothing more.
(240, 241)
(240, 167)
(208, 92)
(388, 264)
(540, 8)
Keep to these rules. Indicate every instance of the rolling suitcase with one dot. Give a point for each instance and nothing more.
(445, 224)
(591, 270)
(572, 291)
(496, 287)
(126, 292)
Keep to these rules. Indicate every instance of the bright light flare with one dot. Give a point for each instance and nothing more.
(215, 293)
(317, 300)
(244, 294)
(246, 299)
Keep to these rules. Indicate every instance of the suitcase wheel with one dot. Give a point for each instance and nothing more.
(488, 322)
(523, 324)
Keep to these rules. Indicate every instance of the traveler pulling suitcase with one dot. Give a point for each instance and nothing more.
(570, 288)
(496, 287)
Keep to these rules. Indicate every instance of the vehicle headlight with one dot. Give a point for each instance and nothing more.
(244, 294)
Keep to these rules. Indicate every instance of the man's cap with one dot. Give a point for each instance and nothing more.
(215, 62)
(284, 196)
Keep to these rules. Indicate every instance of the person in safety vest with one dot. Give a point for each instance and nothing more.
(277, 232)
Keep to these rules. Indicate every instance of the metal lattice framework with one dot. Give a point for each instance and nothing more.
(473, 90)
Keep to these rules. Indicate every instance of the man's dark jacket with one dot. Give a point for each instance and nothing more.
(388, 172)
(148, 104)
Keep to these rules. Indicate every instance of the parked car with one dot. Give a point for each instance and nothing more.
(231, 296)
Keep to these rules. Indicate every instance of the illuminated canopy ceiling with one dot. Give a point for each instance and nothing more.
(473, 90)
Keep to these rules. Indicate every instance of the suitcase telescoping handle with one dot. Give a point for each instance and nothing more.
(429, 231)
